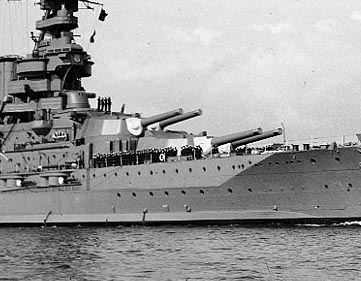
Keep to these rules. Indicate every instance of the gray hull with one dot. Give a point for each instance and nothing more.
(315, 186)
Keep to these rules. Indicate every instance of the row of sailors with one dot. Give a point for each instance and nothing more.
(281, 147)
(151, 155)
(104, 104)
(195, 151)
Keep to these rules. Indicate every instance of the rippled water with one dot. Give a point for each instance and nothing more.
(181, 253)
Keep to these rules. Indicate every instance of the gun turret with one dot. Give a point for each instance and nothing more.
(160, 117)
(217, 141)
(265, 135)
(180, 118)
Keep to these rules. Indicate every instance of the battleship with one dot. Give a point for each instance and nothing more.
(64, 162)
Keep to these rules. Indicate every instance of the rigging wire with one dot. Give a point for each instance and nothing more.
(17, 30)
(347, 137)
(11, 30)
(95, 25)
(2, 26)
(84, 29)
(27, 23)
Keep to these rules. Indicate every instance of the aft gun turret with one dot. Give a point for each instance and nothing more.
(265, 135)
(160, 117)
(217, 141)
(180, 118)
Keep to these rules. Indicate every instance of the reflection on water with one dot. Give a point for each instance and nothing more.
(181, 253)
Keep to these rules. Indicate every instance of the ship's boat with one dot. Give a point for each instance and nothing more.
(64, 162)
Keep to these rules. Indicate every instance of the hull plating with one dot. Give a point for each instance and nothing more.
(314, 186)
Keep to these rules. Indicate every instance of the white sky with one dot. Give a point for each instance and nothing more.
(246, 64)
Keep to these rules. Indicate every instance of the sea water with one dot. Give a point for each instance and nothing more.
(181, 253)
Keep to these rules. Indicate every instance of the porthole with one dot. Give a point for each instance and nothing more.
(243, 166)
(118, 194)
(166, 193)
(127, 174)
(349, 184)
(338, 159)
(190, 170)
(250, 162)
(201, 191)
(163, 171)
(204, 169)
(183, 192)
(250, 189)
(116, 174)
(277, 163)
(233, 167)
(151, 193)
(177, 171)
(230, 190)
(239, 166)
(326, 186)
(134, 194)
(83, 176)
(313, 160)
(218, 168)
(139, 173)
(105, 175)
(151, 172)
(93, 175)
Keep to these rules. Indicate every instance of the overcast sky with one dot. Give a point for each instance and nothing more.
(244, 63)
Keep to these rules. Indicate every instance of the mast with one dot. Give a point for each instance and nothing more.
(51, 75)
(67, 61)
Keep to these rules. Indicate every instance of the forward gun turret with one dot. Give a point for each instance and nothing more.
(180, 118)
(217, 141)
(265, 135)
(160, 117)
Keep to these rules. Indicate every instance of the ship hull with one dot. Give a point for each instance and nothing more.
(316, 186)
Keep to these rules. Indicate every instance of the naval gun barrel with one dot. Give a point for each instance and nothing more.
(265, 135)
(160, 117)
(217, 141)
(180, 118)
